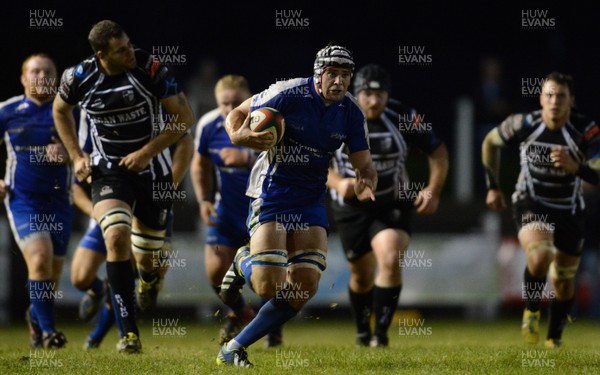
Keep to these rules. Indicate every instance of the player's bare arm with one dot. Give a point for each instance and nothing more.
(366, 175)
(490, 155)
(344, 186)
(56, 152)
(82, 200)
(62, 112)
(237, 125)
(203, 182)
(428, 199)
(179, 107)
(184, 149)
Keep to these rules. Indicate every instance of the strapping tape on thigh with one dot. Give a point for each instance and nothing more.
(148, 241)
(115, 217)
(313, 258)
(274, 258)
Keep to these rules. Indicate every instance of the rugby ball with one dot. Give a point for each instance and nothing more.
(267, 118)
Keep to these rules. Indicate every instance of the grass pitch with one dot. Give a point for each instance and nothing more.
(316, 346)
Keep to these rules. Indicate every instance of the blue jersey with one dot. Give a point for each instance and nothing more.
(211, 138)
(27, 130)
(295, 171)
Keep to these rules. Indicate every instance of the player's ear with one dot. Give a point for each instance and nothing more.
(100, 54)
(24, 81)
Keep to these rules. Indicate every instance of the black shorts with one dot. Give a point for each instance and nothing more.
(568, 228)
(148, 197)
(357, 227)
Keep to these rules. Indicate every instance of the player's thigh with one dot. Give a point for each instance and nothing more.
(268, 236)
(313, 237)
(217, 259)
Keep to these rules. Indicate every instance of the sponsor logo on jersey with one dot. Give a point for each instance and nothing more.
(128, 96)
(105, 190)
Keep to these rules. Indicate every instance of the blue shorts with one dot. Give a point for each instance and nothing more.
(93, 239)
(34, 216)
(288, 216)
(230, 231)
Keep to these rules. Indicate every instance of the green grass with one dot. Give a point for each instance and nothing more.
(317, 347)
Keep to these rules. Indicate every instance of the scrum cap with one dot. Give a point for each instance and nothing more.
(332, 55)
(372, 77)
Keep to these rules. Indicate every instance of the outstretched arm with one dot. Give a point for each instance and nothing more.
(490, 157)
(428, 200)
(366, 175)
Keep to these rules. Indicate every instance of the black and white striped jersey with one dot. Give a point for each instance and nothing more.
(539, 180)
(123, 111)
(391, 137)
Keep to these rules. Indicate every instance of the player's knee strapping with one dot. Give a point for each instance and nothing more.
(149, 241)
(312, 258)
(271, 258)
(543, 246)
(561, 272)
(114, 218)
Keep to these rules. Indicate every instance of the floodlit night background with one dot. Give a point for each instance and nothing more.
(464, 67)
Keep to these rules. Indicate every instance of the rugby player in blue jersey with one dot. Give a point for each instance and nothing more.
(124, 92)
(287, 222)
(223, 201)
(37, 193)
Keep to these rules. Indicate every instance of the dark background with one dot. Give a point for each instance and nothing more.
(219, 38)
(224, 37)
(244, 39)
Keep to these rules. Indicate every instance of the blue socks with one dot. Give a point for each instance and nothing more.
(105, 321)
(272, 314)
(41, 295)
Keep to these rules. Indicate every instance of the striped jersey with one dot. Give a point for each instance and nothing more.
(123, 110)
(399, 129)
(211, 137)
(27, 130)
(538, 179)
(295, 171)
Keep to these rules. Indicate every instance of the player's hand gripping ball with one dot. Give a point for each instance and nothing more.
(267, 118)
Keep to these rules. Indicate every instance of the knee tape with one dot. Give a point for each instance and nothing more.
(115, 217)
(148, 241)
(313, 258)
(541, 246)
(274, 258)
(562, 273)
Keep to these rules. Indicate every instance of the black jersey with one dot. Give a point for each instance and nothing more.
(539, 181)
(123, 110)
(391, 137)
